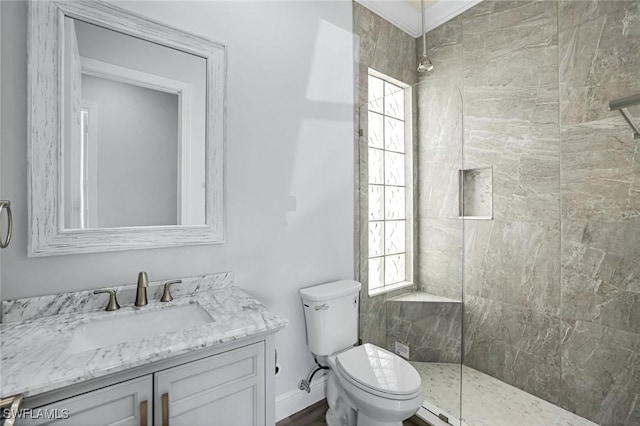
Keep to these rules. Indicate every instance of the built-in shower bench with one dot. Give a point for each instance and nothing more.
(429, 325)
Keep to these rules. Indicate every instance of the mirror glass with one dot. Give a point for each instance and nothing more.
(133, 145)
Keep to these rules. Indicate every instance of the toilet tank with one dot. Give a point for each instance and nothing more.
(331, 315)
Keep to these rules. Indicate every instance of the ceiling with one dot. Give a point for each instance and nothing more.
(405, 14)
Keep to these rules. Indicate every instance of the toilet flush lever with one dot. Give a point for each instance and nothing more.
(322, 307)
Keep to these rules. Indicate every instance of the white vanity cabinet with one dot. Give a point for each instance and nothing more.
(226, 387)
(124, 404)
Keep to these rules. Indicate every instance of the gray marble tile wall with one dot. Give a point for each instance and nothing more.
(512, 263)
(598, 44)
(552, 284)
(391, 51)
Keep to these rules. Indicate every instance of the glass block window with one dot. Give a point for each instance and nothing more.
(389, 184)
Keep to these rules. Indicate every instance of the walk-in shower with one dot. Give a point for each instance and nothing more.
(517, 292)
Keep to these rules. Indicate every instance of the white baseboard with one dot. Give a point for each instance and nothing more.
(295, 400)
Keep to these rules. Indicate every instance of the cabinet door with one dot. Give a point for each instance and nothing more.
(226, 390)
(125, 404)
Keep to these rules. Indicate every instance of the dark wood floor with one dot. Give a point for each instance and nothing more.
(314, 416)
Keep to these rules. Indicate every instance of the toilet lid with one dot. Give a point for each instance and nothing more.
(378, 369)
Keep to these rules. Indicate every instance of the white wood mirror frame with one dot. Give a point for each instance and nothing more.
(47, 235)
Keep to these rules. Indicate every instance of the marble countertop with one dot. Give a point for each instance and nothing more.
(35, 359)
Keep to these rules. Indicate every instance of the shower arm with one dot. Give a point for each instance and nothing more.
(424, 34)
(621, 105)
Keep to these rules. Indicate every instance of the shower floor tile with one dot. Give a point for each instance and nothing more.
(486, 401)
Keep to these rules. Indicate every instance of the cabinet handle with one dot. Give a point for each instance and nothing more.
(165, 409)
(143, 413)
(6, 205)
(13, 404)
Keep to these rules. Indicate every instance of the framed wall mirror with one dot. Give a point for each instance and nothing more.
(126, 131)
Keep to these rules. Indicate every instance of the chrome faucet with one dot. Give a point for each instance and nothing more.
(141, 294)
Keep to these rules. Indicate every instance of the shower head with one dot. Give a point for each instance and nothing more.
(425, 64)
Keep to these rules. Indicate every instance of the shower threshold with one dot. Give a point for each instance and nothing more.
(486, 401)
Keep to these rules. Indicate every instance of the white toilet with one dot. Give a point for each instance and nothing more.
(368, 386)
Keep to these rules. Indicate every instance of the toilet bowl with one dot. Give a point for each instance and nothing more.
(380, 387)
(368, 385)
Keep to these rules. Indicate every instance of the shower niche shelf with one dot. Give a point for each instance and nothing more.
(475, 187)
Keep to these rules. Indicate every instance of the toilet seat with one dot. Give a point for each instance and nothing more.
(379, 372)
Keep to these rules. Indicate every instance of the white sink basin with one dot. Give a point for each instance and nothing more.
(137, 326)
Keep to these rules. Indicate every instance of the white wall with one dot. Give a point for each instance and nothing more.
(289, 162)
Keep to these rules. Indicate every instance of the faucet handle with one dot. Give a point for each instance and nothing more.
(113, 300)
(166, 295)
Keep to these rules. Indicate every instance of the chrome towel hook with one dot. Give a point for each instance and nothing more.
(4, 204)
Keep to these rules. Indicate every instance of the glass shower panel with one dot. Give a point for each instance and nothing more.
(435, 312)
(410, 160)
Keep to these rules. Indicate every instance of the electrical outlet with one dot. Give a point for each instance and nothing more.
(402, 350)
